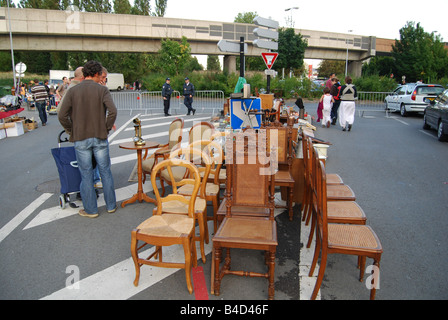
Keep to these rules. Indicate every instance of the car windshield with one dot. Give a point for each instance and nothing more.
(432, 90)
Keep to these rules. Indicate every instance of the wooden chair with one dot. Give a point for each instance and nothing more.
(203, 163)
(358, 240)
(273, 115)
(246, 187)
(209, 191)
(169, 229)
(335, 192)
(219, 137)
(342, 209)
(332, 178)
(283, 144)
(201, 131)
(174, 141)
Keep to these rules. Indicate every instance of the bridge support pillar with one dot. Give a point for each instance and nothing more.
(230, 64)
(355, 69)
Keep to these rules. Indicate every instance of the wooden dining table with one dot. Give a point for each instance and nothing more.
(140, 195)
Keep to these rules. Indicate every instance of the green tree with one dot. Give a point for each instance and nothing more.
(245, 17)
(291, 49)
(141, 7)
(160, 9)
(327, 67)
(97, 6)
(380, 66)
(122, 6)
(4, 3)
(174, 55)
(39, 4)
(419, 55)
(213, 63)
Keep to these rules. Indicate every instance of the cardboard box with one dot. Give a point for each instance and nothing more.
(14, 129)
(31, 125)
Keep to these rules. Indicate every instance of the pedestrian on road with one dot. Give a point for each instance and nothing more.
(87, 115)
(166, 94)
(188, 96)
(335, 91)
(347, 107)
(329, 82)
(60, 91)
(40, 97)
(79, 76)
(327, 103)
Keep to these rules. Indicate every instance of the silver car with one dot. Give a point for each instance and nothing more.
(410, 97)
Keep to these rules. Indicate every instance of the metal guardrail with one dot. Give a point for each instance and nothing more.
(213, 100)
(371, 101)
(152, 101)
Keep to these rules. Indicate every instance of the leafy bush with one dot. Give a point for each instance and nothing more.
(375, 84)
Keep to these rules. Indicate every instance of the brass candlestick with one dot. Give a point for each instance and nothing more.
(138, 141)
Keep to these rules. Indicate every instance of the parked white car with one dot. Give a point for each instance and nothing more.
(410, 97)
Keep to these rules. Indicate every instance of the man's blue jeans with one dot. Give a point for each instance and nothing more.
(41, 107)
(98, 148)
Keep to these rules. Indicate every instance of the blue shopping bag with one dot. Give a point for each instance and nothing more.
(67, 165)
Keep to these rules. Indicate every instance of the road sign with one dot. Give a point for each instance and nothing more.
(240, 116)
(269, 58)
(265, 44)
(270, 72)
(259, 21)
(266, 33)
(229, 46)
(20, 67)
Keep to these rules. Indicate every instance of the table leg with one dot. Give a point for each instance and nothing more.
(140, 195)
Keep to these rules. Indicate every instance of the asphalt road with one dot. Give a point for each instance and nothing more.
(397, 170)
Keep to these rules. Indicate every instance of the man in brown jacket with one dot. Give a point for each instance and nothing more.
(87, 114)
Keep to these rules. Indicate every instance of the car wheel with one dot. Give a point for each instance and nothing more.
(425, 125)
(403, 111)
(440, 135)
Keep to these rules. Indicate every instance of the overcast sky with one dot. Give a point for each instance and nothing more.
(380, 18)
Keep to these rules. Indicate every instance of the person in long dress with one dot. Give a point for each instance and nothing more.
(347, 108)
(327, 101)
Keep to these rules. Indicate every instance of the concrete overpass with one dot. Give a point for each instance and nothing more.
(54, 30)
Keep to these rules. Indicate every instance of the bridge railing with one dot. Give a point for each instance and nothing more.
(152, 102)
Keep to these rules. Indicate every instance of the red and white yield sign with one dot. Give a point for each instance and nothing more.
(269, 58)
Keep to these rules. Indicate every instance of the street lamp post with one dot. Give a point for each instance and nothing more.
(12, 50)
(346, 57)
(290, 22)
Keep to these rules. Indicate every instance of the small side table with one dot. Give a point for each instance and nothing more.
(140, 195)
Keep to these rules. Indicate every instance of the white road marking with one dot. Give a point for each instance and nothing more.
(147, 137)
(123, 127)
(165, 123)
(25, 213)
(306, 257)
(399, 120)
(117, 281)
(56, 213)
(428, 134)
